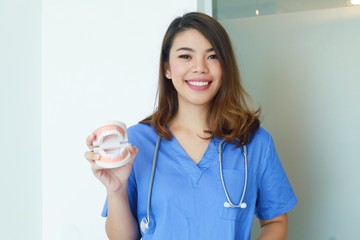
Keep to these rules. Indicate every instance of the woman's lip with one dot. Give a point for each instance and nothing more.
(198, 80)
(198, 84)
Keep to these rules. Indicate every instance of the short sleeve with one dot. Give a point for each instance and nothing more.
(105, 209)
(275, 193)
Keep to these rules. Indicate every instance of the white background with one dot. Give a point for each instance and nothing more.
(20, 119)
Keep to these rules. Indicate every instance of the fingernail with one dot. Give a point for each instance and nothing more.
(133, 149)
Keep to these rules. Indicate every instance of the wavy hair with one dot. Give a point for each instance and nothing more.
(231, 115)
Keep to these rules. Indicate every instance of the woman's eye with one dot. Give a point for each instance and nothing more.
(212, 57)
(184, 56)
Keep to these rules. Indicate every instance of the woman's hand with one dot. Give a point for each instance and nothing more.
(114, 179)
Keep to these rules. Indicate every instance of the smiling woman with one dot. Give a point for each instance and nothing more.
(193, 69)
(203, 144)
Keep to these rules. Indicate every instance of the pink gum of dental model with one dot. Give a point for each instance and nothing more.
(111, 143)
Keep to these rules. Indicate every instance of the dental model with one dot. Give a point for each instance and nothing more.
(111, 143)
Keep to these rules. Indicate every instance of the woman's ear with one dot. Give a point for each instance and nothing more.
(167, 72)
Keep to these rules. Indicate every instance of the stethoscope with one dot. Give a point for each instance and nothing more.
(147, 224)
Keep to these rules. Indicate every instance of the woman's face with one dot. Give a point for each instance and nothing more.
(193, 68)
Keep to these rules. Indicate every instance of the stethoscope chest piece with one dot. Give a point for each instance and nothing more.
(147, 226)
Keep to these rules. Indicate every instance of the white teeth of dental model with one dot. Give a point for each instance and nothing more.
(105, 134)
(200, 84)
(112, 145)
(113, 153)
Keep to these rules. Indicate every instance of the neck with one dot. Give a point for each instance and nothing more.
(190, 118)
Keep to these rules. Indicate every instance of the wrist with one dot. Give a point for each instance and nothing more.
(118, 192)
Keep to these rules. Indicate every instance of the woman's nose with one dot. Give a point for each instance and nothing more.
(200, 66)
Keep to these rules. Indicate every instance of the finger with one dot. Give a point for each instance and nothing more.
(133, 152)
(89, 141)
(95, 167)
(91, 156)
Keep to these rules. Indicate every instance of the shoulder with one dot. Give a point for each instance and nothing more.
(262, 145)
(140, 132)
(139, 127)
(261, 137)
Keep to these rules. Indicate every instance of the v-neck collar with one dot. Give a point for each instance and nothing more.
(195, 171)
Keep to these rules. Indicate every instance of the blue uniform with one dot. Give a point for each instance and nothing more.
(187, 199)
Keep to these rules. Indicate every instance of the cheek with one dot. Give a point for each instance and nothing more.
(173, 66)
(177, 69)
(218, 71)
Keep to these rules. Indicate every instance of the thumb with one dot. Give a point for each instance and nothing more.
(133, 152)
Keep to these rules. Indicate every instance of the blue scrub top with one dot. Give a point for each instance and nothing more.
(187, 200)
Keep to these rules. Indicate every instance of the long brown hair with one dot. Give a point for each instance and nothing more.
(231, 115)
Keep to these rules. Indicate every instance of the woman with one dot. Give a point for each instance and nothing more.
(215, 166)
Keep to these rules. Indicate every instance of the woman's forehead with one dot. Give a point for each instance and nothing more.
(190, 39)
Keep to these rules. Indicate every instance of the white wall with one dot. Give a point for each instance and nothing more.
(100, 62)
(20, 119)
(303, 69)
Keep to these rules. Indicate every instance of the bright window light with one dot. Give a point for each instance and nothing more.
(355, 2)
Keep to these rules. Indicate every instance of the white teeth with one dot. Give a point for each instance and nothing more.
(115, 153)
(110, 132)
(195, 83)
(112, 153)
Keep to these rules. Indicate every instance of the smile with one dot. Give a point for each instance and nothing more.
(199, 84)
(196, 83)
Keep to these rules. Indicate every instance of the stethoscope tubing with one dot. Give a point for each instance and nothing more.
(229, 203)
(148, 205)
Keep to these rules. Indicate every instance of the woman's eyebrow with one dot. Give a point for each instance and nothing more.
(192, 50)
(185, 49)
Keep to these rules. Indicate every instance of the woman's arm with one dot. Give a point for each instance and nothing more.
(120, 223)
(274, 229)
